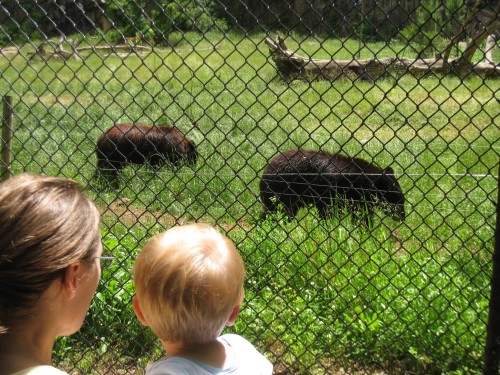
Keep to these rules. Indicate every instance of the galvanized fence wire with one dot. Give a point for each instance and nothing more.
(350, 150)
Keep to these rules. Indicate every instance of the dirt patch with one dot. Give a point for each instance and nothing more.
(124, 210)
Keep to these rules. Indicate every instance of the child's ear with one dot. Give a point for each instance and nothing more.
(233, 316)
(138, 311)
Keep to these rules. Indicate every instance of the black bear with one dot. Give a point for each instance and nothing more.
(299, 178)
(141, 144)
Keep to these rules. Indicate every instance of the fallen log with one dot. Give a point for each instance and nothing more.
(9, 50)
(60, 54)
(57, 52)
(123, 47)
(291, 65)
(47, 50)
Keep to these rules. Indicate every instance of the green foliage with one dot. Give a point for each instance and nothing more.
(113, 37)
(409, 295)
(364, 307)
(433, 24)
(163, 18)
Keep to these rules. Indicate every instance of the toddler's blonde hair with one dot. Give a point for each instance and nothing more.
(188, 281)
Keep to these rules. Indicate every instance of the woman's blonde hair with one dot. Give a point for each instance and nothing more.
(188, 281)
(46, 224)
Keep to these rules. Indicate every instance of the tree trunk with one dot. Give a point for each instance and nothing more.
(57, 52)
(483, 22)
(490, 44)
(291, 65)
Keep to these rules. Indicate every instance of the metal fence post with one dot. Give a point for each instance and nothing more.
(492, 353)
(7, 132)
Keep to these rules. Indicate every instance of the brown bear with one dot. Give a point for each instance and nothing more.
(299, 178)
(140, 144)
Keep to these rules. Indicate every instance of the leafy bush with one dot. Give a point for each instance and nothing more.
(434, 23)
(163, 18)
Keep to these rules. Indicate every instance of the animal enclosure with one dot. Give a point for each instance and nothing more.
(383, 268)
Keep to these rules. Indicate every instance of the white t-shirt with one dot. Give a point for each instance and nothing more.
(40, 370)
(243, 359)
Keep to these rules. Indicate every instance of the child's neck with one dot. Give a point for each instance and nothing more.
(212, 353)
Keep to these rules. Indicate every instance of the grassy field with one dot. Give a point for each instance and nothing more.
(320, 296)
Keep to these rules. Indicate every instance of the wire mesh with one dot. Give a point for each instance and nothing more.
(297, 128)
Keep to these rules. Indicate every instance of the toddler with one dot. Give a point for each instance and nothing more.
(189, 286)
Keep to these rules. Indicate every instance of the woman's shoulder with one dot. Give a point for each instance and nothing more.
(40, 370)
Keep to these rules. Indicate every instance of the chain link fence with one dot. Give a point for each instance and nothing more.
(350, 149)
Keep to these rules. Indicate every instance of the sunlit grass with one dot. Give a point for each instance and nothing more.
(412, 294)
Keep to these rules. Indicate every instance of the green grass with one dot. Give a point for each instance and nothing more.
(320, 296)
(358, 296)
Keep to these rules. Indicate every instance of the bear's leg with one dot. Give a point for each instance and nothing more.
(324, 209)
(291, 209)
(267, 202)
(108, 171)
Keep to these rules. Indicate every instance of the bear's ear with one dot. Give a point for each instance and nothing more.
(389, 171)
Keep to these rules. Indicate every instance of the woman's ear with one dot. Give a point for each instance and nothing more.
(71, 278)
(233, 316)
(138, 311)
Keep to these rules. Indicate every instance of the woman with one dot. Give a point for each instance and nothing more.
(49, 268)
